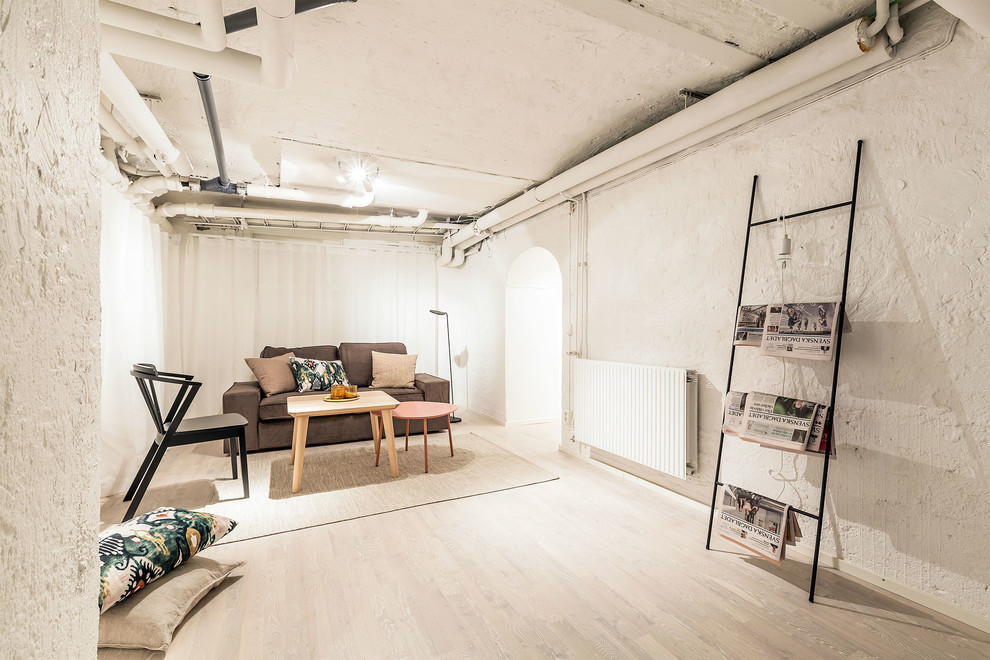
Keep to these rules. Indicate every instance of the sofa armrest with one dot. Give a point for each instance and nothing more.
(245, 399)
(433, 388)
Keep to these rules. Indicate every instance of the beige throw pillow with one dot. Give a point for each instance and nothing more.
(147, 619)
(273, 374)
(393, 370)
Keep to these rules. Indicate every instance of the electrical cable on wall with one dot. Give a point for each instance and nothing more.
(783, 256)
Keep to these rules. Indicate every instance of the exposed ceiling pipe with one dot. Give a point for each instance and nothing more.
(221, 183)
(118, 133)
(210, 34)
(894, 30)
(312, 195)
(149, 187)
(111, 171)
(248, 18)
(343, 198)
(131, 145)
(446, 253)
(974, 13)
(171, 210)
(833, 58)
(274, 68)
(883, 12)
(458, 259)
(128, 102)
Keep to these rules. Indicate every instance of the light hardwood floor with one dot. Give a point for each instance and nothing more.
(591, 565)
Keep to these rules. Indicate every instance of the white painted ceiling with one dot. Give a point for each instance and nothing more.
(464, 103)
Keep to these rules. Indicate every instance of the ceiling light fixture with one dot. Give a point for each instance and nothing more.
(357, 171)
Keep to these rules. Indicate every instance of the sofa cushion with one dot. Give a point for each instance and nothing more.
(275, 407)
(274, 374)
(327, 352)
(317, 374)
(357, 359)
(393, 370)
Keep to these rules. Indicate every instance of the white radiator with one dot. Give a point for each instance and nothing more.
(648, 415)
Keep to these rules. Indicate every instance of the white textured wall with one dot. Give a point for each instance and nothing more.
(474, 295)
(49, 329)
(908, 493)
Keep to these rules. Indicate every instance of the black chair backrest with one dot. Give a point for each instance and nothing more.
(146, 376)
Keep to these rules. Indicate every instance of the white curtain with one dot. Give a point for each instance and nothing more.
(132, 331)
(230, 297)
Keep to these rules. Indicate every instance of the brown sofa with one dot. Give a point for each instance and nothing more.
(269, 424)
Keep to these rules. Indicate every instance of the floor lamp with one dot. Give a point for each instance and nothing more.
(450, 362)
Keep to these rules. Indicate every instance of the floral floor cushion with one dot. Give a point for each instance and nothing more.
(135, 553)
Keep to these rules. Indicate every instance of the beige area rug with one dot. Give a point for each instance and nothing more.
(341, 482)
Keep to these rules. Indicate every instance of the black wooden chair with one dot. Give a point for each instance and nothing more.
(174, 430)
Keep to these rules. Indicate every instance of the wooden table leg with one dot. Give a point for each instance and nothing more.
(292, 452)
(376, 433)
(450, 434)
(426, 449)
(393, 460)
(299, 441)
(407, 435)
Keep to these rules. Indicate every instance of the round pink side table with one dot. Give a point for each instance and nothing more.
(424, 410)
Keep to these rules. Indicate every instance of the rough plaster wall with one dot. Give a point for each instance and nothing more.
(475, 298)
(914, 461)
(906, 495)
(49, 329)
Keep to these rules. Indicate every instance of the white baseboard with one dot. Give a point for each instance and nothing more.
(524, 422)
(841, 565)
(910, 593)
(473, 411)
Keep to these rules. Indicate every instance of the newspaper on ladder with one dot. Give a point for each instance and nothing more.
(734, 406)
(778, 421)
(753, 521)
(749, 325)
(800, 330)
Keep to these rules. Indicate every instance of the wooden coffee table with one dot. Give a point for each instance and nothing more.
(424, 410)
(301, 408)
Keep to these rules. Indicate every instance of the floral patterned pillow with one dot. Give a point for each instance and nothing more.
(317, 374)
(135, 553)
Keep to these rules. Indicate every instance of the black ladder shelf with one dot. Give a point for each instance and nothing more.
(835, 358)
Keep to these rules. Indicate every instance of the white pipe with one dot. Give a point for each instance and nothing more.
(150, 187)
(274, 70)
(111, 171)
(883, 13)
(276, 24)
(161, 185)
(458, 259)
(446, 252)
(128, 102)
(398, 221)
(894, 30)
(844, 52)
(311, 195)
(210, 34)
(118, 133)
(974, 13)
(171, 210)
(132, 146)
(228, 63)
